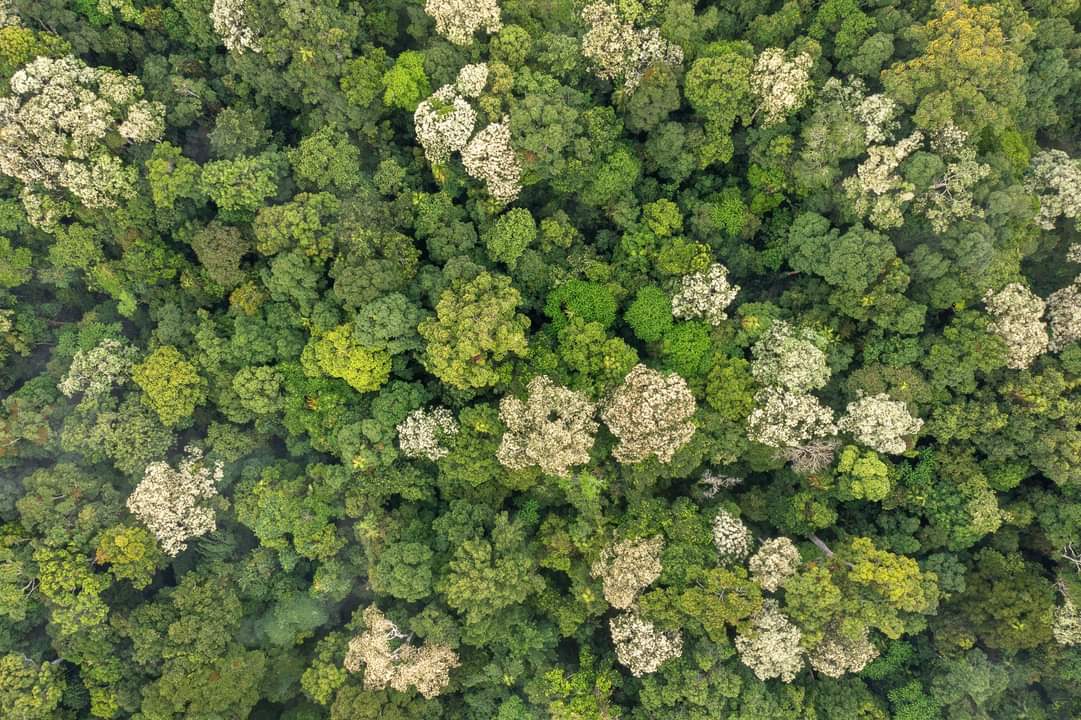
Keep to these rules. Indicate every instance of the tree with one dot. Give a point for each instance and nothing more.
(458, 21)
(705, 295)
(1018, 314)
(474, 330)
(790, 359)
(511, 234)
(619, 50)
(640, 647)
(388, 661)
(781, 86)
(731, 537)
(167, 500)
(420, 433)
(489, 157)
(1054, 180)
(960, 47)
(338, 354)
(651, 414)
(774, 562)
(444, 124)
(880, 423)
(553, 429)
(626, 568)
(172, 386)
(29, 690)
(60, 121)
(405, 83)
(772, 647)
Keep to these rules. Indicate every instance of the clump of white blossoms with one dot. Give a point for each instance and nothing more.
(836, 654)
(459, 20)
(1067, 624)
(705, 295)
(651, 414)
(628, 567)
(472, 79)
(731, 536)
(876, 113)
(169, 502)
(553, 429)
(617, 49)
(444, 122)
(771, 648)
(419, 435)
(96, 371)
(877, 191)
(389, 660)
(57, 125)
(1064, 315)
(489, 157)
(781, 85)
(641, 647)
(776, 561)
(230, 21)
(1055, 179)
(1018, 314)
(783, 419)
(791, 359)
(880, 423)
(714, 483)
(8, 16)
(1073, 253)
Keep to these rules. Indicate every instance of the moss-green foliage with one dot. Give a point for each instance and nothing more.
(287, 286)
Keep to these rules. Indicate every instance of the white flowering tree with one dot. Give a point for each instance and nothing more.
(784, 419)
(1017, 318)
(731, 537)
(96, 371)
(880, 423)
(388, 660)
(1064, 315)
(837, 654)
(705, 295)
(877, 191)
(553, 429)
(790, 359)
(781, 85)
(420, 435)
(651, 414)
(444, 123)
(627, 567)
(618, 50)
(1055, 179)
(771, 646)
(459, 20)
(774, 562)
(59, 125)
(230, 21)
(172, 502)
(640, 646)
(489, 157)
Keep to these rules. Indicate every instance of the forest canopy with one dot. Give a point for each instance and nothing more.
(529, 359)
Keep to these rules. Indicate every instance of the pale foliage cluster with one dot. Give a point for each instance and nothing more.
(231, 24)
(651, 414)
(950, 198)
(1073, 253)
(8, 15)
(553, 429)
(490, 158)
(390, 661)
(791, 359)
(731, 536)
(1017, 318)
(55, 123)
(96, 371)
(705, 294)
(628, 567)
(617, 49)
(1055, 179)
(444, 123)
(419, 435)
(810, 458)
(880, 423)
(714, 483)
(1067, 624)
(771, 648)
(641, 647)
(877, 191)
(459, 20)
(836, 654)
(784, 419)
(877, 113)
(472, 79)
(1064, 315)
(776, 561)
(169, 502)
(781, 85)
